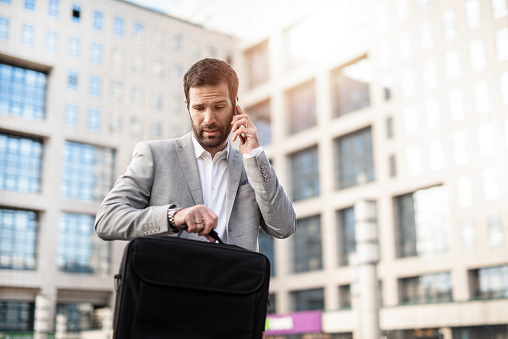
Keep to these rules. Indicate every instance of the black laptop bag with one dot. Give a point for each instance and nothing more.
(178, 288)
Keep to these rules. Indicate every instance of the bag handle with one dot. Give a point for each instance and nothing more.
(212, 233)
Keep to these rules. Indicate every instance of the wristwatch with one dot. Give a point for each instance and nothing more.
(171, 217)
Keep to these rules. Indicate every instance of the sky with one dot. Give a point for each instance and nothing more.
(246, 19)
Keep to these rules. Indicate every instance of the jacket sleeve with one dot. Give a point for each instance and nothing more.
(124, 214)
(278, 215)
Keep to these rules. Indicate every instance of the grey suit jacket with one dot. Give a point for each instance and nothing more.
(165, 172)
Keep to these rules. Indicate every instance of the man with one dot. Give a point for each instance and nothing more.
(200, 180)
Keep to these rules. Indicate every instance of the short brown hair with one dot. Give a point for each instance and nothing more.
(210, 72)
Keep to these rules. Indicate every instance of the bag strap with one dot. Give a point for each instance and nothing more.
(212, 233)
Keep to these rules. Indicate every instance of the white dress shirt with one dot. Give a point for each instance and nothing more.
(213, 174)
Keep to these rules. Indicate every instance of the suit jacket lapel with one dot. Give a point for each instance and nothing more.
(187, 159)
(234, 174)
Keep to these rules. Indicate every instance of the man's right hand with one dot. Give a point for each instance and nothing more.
(199, 219)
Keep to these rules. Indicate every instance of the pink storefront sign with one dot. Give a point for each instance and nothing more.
(294, 323)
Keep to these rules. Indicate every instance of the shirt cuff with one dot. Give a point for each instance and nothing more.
(255, 152)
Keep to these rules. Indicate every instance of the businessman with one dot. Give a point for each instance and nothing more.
(200, 180)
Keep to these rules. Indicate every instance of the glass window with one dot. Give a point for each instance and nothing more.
(426, 36)
(461, 147)
(177, 43)
(116, 90)
(487, 331)
(405, 45)
(502, 44)
(490, 282)
(456, 105)
(305, 174)
(96, 53)
(74, 47)
(71, 115)
(423, 5)
(80, 316)
(392, 165)
(158, 38)
(137, 95)
(18, 239)
(345, 297)
(158, 69)
(355, 161)
(139, 31)
(157, 130)
(27, 35)
(135, 128)
(17, 316)
(477, 55)
(496, 233)
(413, 161)
(157, 104)
(266, 246)
(389, 128)
(432, 113)
(301, 107)
(468, 235)
(138, 63)
(407, 83)
(22, 92)
(491, 183)
(257, 65)
(118, 28)
(428, 288)
(385, 54)
(95, 85)
(53, 8)
(347, 240)
(350, 87)
(402, 10)
(387, 85)
(423, 222)
(51, 41)
(195, 50)
(7, 2)
(260, 115)
(465, 196)
(499, 8)
(307, 300)
(503, 84)
(88, 171)
(72, 82)
(97, 20)
(436, 154)
(93, 119)
(272, 304)
(486, 141)
(30, 4)
(481, 97)
(20, 164)
(307, 245)
(429, 73)
(76, 13)
(4, 28)
(452, 65)
(79, 248)
(449, 24)
(115, 123)
(117, 58)
(473, 14)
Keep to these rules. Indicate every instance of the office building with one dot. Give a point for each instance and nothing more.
(403, 103)
(80, 83)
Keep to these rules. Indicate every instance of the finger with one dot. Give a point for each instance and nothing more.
(210, 239)
(239, 109)
(210, 220)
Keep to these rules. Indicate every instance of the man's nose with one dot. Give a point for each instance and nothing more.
(209, 117)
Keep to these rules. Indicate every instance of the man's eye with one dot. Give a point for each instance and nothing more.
(198, 108)
(219, 107)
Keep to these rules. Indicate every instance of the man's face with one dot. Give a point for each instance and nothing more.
(211, 112)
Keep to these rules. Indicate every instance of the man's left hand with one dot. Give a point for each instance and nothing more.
(243, 125)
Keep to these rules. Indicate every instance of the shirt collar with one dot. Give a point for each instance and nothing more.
(199, 150)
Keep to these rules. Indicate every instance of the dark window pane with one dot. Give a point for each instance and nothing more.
(266, 246)
(429, 288)
(347, 240)
(307, 245)
(355, 160)
(301, 103)
(305, 174)
(260, 115)
(16, 316)
(308, 300)
(350, 86)
(257, 65)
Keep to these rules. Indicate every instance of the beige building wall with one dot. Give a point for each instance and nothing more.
(136, 72)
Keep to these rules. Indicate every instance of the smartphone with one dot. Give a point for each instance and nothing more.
(243, 138)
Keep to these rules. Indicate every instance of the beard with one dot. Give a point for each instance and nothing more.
(212, 141)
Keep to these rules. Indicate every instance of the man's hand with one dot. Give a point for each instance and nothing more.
(199, 219)
(242, 124)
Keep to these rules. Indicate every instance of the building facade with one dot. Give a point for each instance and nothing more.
(80, 83)
(403, 103)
